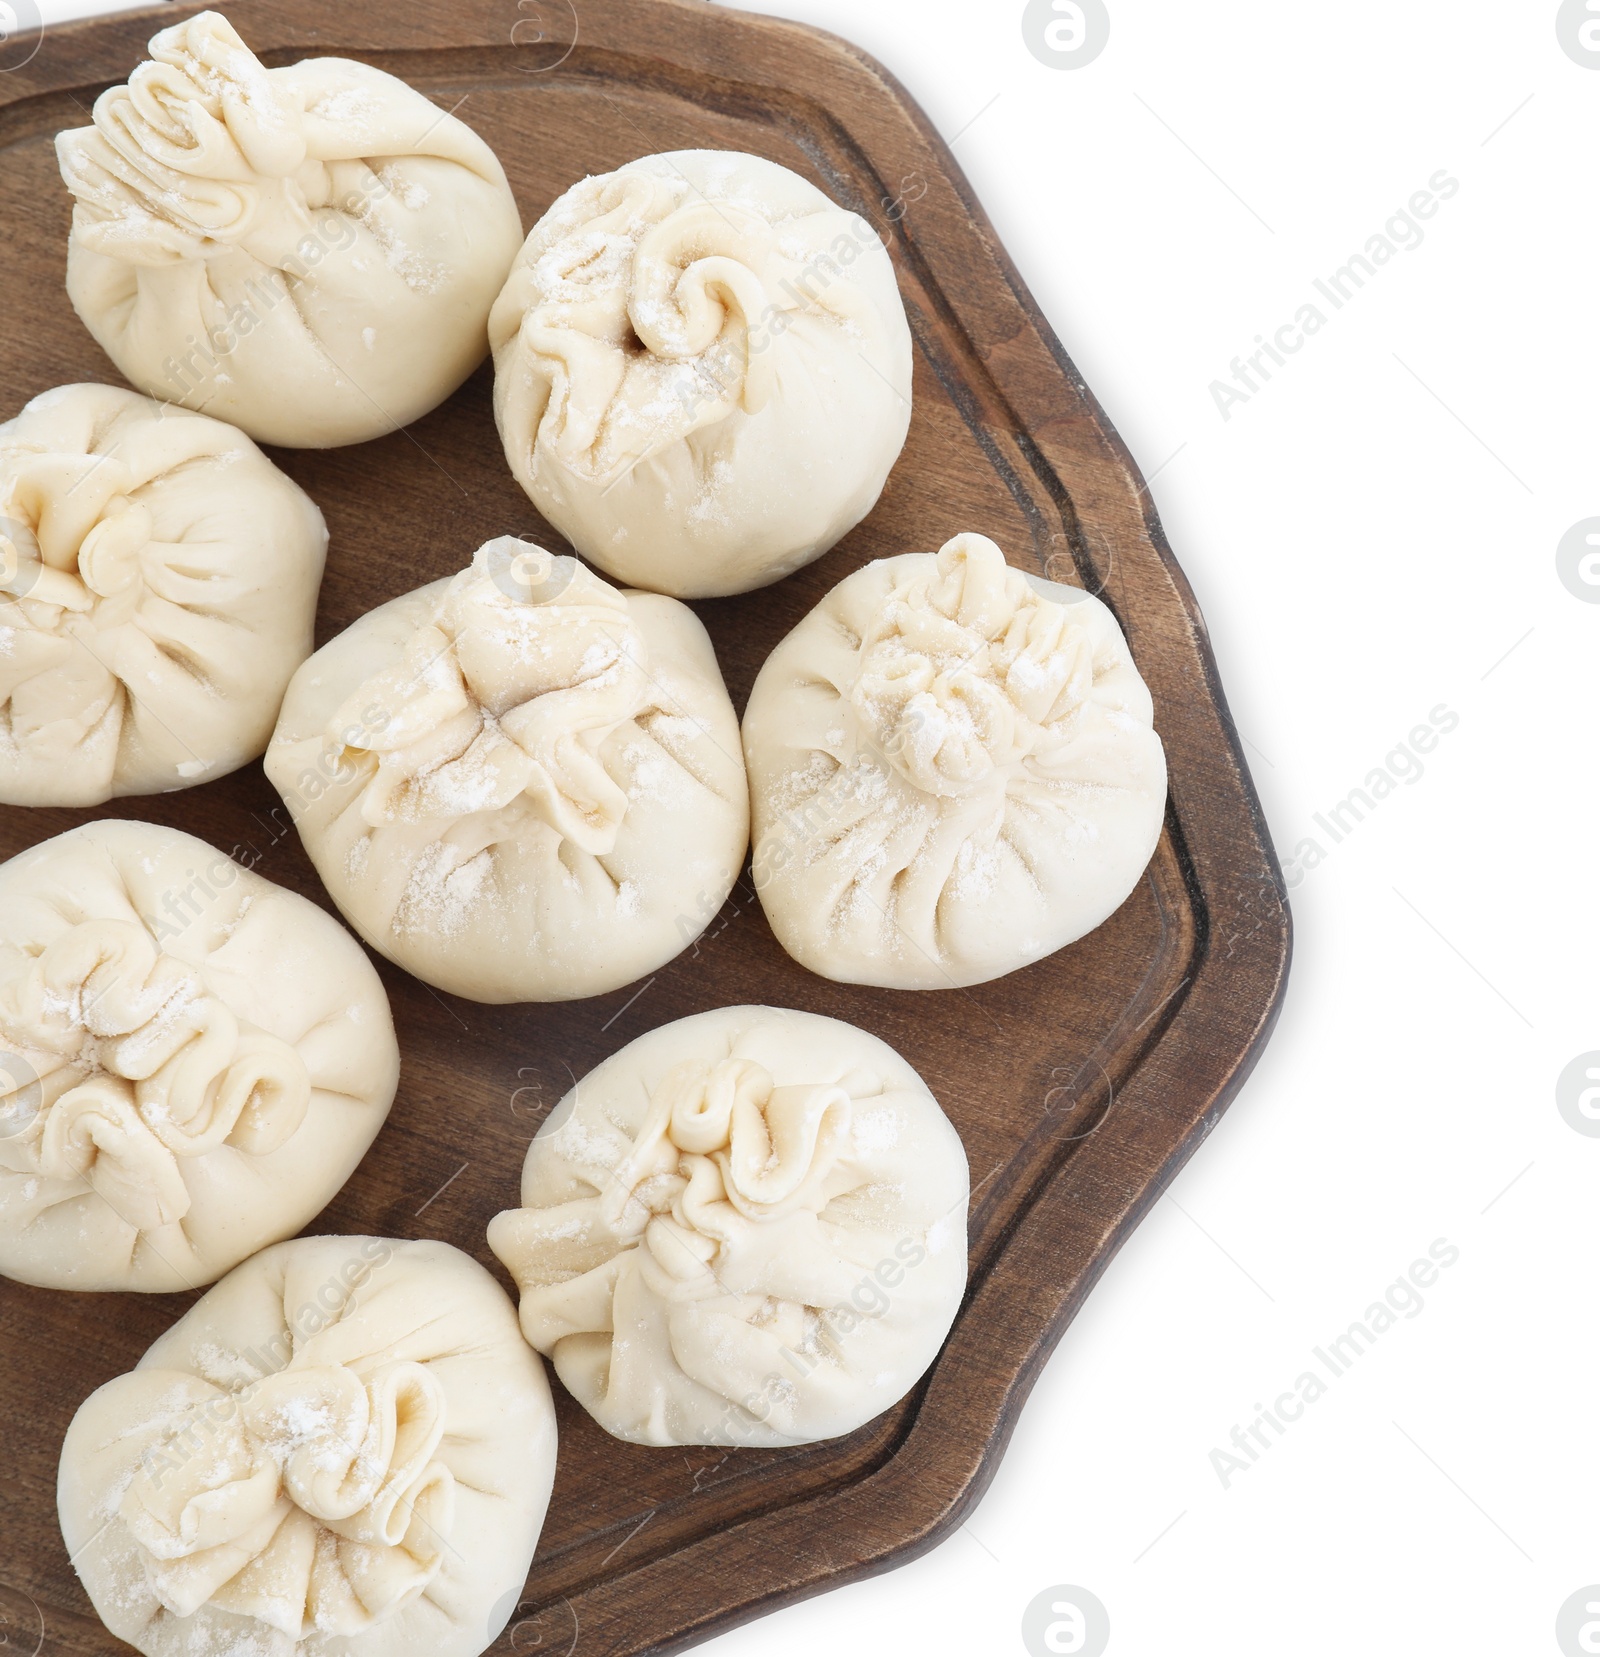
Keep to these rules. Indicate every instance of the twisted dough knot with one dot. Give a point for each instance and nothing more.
(967, 671)
(180, 162)
(69, 534)
(722, 1152)
(310, 1501)
(643, 319)
(140, 1066)
(510, 693)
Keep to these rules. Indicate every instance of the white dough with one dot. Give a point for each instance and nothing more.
(702, 371)
(344, 1450)
(309, 252)
(952, 772)
(158, 585)
(747, 1227)
(192, 1060)
(520, 784)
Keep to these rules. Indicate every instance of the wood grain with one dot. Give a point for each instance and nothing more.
(1079, 1085)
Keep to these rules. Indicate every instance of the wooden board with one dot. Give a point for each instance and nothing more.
(1079, 1085)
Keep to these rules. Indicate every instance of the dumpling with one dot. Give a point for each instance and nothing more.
(192, 1060)
(519, 784)
(746, 1228)
(309, 252)
(952, 771)
(702, 371)
(344, 1450)
(158, 586)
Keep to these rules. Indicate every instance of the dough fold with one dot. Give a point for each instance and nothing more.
(158, 586)
(310, 252)
(745, 1228)
(192, 1060)
(953, 772)
(302, 1453)
(521, 784)
(345, 1449)
(702, 371)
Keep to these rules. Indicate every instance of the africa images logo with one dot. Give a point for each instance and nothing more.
(21, 1094)
(1066, 1621)
(526, 573)
(1578, 1624)
(1578, 559)
(1578, 1099)
(1578, 30)
(19, 549)
(1066, 34)
(21, 31)
(21, 1623)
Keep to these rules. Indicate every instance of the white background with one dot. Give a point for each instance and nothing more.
(1369, 537)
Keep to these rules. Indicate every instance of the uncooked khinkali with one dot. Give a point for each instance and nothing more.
(748, 1227)
(192, 1060)
(702, 371)
(310, 252)
(344, 1450)
(158, 585)
(519, 784)
(952, 772)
